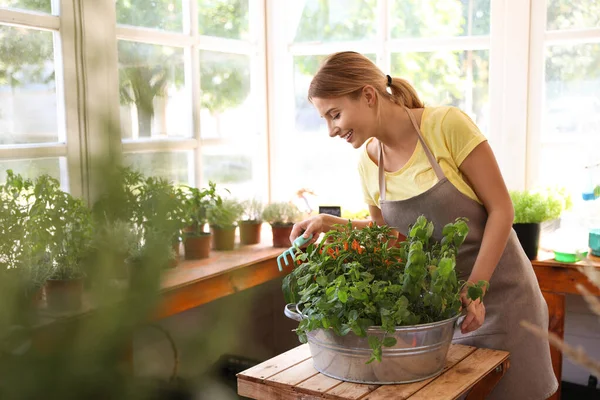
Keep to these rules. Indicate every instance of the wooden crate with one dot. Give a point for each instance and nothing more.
(291, 375)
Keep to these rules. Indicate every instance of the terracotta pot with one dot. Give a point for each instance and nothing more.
(223, 238)
(281, 235)
(64, 295)
(197, 247)
(250, 232)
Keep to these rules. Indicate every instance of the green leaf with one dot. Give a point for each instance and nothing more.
(374, 342)
(474, 292)
(389, 341)
(322, 281)
(343, 296)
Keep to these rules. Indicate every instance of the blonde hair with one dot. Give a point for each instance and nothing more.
(347, 73)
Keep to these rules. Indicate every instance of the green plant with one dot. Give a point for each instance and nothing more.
(253, 209)
(124, 189)
(15, 197)
(164, 208)
(281, 213)
(226, 214)
(198, 201)
(62, 225)
(537, 207)
(352, 280)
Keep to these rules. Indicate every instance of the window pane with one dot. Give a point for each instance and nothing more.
(37, 5)
(154, 102)
(564, 165)
(155, 14)
(240, 168)
(27, 87)
(227, 109)
(435, 18)
(458, 78)
(175, 166)
(332, 20)
(572, 106)
(567, 14)
(305, 67)
(31, 168)
(223, 18)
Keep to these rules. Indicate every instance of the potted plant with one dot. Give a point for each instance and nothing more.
(282, 217)
(197, 241)
(112, 244)
(251, 222)
(23, 271)
(62, 225)
(353, 291)
(222, 219)
(531, 209)
(164, 210)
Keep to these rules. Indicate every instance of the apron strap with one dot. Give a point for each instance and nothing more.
(434, 164)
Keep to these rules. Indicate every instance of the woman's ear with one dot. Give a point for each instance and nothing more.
(368, 93)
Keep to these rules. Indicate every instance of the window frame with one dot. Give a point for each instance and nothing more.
(192, 43)
(540, 39)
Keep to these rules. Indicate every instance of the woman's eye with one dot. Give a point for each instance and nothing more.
(337, 116)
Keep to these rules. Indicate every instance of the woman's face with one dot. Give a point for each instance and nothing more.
(351, 120)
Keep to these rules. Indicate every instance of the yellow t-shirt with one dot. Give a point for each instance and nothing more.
(450, 135)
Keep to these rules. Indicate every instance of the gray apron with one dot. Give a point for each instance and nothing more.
(514, 293)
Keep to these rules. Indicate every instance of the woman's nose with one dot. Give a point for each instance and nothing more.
(332, 129)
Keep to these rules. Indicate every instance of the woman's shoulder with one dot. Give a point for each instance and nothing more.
(370, 152)
(440, 113)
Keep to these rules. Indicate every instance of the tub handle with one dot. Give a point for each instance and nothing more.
(291, 311)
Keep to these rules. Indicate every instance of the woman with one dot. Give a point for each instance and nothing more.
(434, 161)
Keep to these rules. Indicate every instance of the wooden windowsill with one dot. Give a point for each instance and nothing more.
(193, 283)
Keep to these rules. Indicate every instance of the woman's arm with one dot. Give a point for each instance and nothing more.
(324, 223)
(483, 175)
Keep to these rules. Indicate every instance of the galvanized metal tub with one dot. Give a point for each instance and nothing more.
(420, 352)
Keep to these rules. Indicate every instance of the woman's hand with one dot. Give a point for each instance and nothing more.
(313, 225)
(475, 313)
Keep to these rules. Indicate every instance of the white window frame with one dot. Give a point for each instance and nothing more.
(540, 39)
(508, 78)
(62, 55)
(192, 43)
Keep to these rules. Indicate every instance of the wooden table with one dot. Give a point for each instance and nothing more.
(291, 375)
(557, 279)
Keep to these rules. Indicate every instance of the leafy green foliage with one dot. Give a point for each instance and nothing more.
(353, 279)
(225, 215)
(63, 224)
(537, 207)
(281, 213)
(198, 201)
(253, 209)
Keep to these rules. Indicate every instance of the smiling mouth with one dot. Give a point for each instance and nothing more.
(348, 136)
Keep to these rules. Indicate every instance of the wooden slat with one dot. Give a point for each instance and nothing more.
(464, 375)
(293, 375)
(456, 353)
(317, 384)
(350, 391)
(261, 391)
(277, 364)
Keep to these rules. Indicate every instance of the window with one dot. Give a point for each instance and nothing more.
(32, 119)
(565, 95)
(442, 48)
(191, 79)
